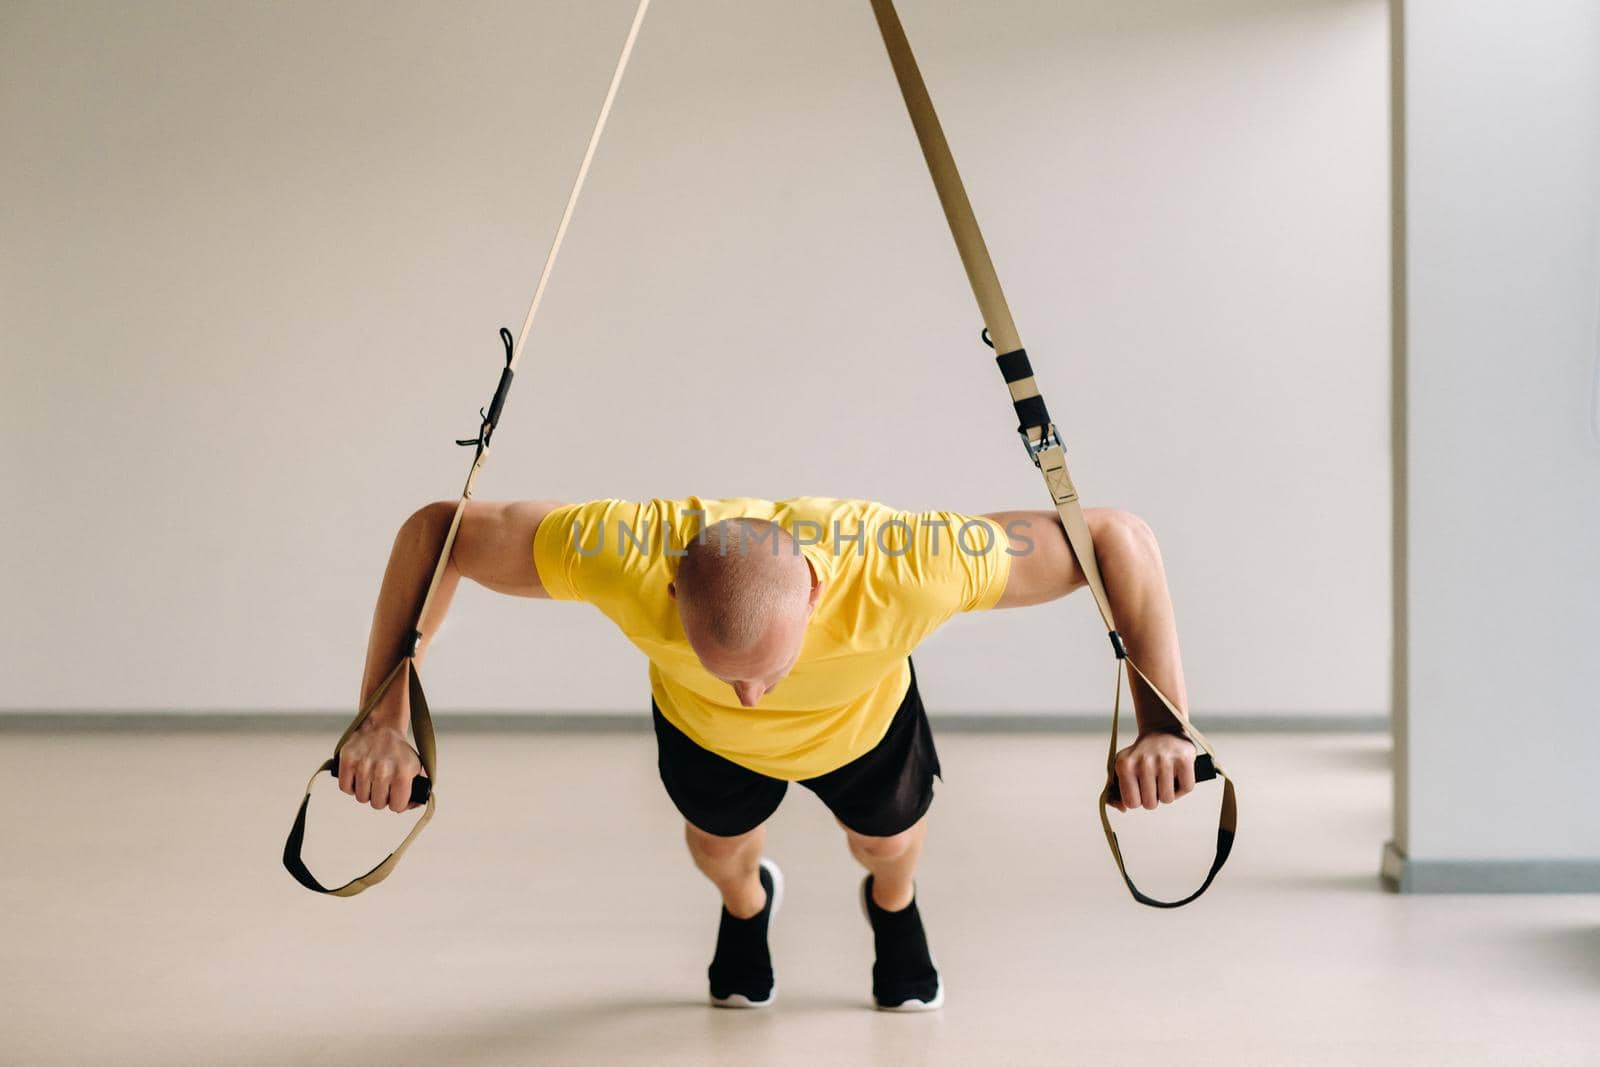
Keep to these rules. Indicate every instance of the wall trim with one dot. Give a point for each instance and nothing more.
(635, 722)
(1404, 875)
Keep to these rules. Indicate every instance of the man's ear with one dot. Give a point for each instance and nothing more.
(816, 588)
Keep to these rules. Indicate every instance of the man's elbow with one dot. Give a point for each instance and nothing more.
(1123, 539)
(428, 523)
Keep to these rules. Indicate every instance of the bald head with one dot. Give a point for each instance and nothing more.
(739, 578)
(744, 593)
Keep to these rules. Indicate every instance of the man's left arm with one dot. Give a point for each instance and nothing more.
(1159, 766)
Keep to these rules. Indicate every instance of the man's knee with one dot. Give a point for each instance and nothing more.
(881, 849)
(712, 847)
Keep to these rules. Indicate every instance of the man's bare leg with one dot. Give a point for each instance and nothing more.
(740, 974)
(892, 862)
(733, 865)
(903, 975)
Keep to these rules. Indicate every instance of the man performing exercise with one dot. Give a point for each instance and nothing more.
(779, 636)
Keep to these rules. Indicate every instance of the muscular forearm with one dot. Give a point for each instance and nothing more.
(405, 585)
(1136, 584)
(1154, 769)
(1044, 567)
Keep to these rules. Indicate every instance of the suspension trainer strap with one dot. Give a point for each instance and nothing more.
(1038, 432)
(421, 721)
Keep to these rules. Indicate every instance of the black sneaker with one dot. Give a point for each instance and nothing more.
(903, 975)
(741, 971)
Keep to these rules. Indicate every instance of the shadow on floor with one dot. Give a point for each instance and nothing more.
(1575, 950)
(1360, 882)
(614, 1029)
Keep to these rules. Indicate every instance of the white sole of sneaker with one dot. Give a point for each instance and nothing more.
(739, 1000)
(913, 1004)
(919, 1005)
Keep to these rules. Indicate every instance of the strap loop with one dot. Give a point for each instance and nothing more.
(422, 736)
(1227, 817)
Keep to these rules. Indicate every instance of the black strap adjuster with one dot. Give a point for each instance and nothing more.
(491, 415)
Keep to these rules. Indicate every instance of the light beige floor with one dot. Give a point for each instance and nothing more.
(548, 915)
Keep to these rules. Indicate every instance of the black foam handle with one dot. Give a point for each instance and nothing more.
(492, 419)
(421, 786)
(1204, 771)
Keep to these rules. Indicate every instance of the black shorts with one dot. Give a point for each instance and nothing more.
(879, 793)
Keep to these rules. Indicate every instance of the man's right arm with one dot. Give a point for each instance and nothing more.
(493, 547)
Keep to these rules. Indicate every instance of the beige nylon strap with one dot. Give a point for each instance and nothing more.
(1042, 440)
(421, 721)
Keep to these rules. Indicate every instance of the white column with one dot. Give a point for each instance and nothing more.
(1497, 487)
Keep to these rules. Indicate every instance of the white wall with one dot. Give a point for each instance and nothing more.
(253, 258)
(1502, 686)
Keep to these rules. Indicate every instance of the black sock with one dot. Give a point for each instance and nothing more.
(903, 969)
(742, 963)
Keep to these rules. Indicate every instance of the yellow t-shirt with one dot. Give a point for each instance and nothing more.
(890, 578)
